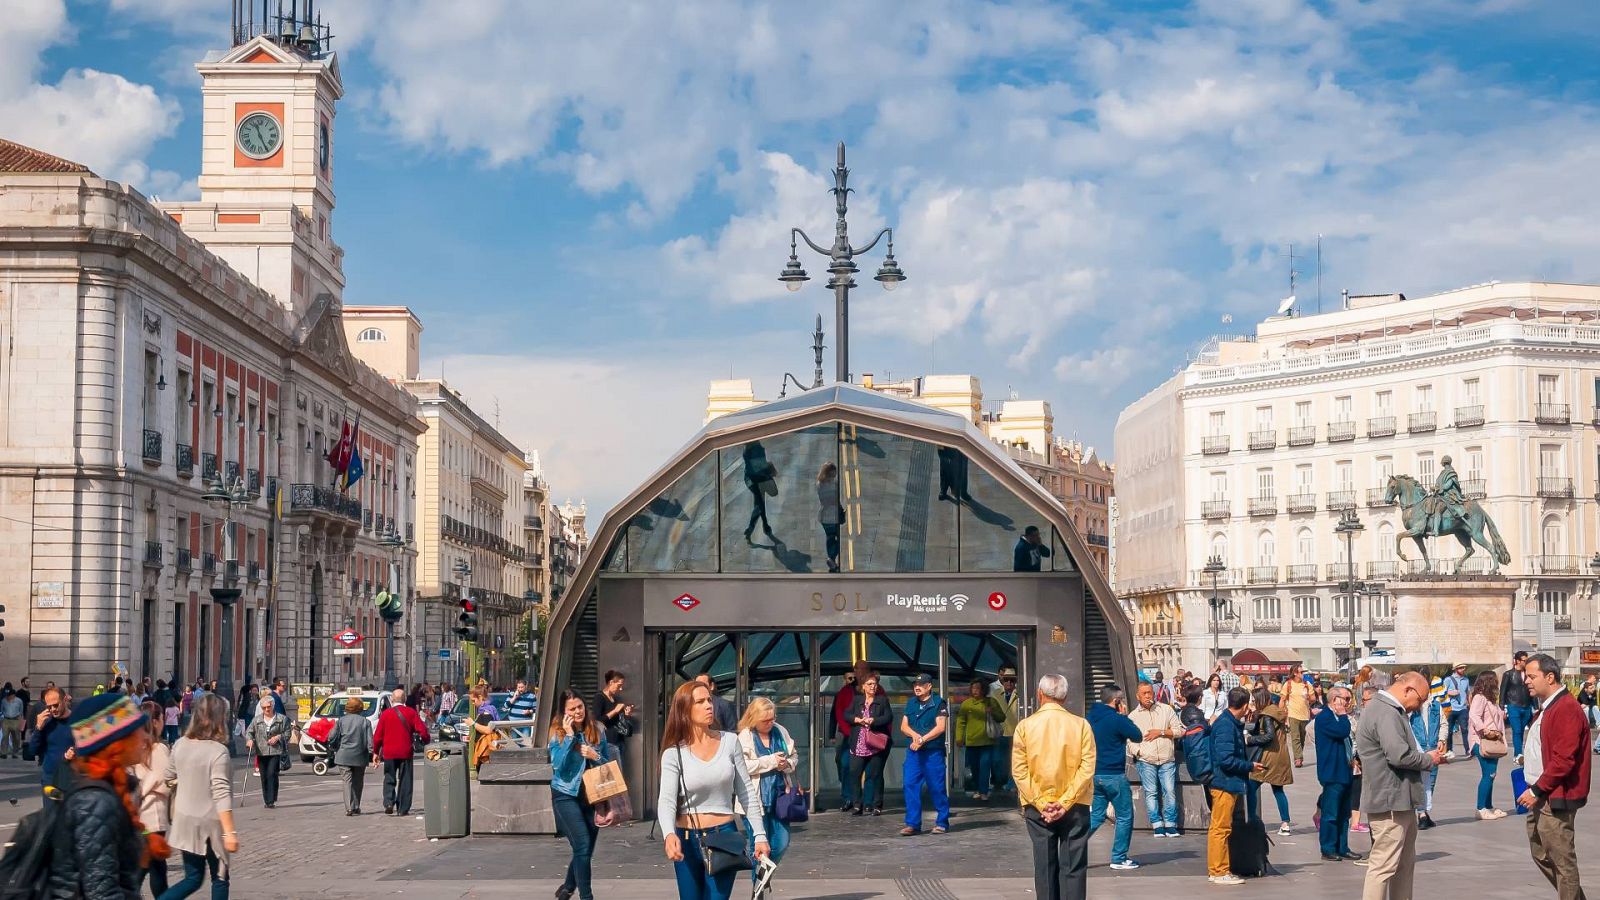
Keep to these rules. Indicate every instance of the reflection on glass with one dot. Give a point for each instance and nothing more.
(770, 515)
(895, 520)
(829, 512)
(992, 522)
(677, 531)
(1030, 552)
(616, 558)
(1061, 560)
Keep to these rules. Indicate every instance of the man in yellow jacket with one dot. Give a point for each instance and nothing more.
(1052, 762)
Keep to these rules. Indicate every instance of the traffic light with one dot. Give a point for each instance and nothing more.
(467, 621)
(2, 622)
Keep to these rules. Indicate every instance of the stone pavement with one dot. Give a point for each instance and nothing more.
(308, 848)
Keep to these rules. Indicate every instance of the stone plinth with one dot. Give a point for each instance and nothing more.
(512, 795)
(1447, 620)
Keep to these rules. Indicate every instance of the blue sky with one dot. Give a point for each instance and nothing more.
(587, 203)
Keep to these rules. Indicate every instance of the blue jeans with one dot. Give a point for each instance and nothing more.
(1113, 789)
(576, 819)
(925, 766)
(978, 761)
(1458, 720)
(1253, 807)
(777, 840)
(1428, 779)
(1163, 810)
(1518, 717)
(693, 881)
(846, 784)
(1333, 833)
(194, 872)
(1000, 763)
(1486, 772)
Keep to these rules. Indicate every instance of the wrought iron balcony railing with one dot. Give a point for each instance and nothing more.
(1380, 426)
(1303, 436)
(152, 445)
(1552, 413)
(184, 561)
(208, 467)
(1215, 509)
(252, 482)
(1378, 497)
(1383, 568)
(1558, 564)
(230, 473)
(1262, 575)
(1302, 626)
(1555, 486)
(1340, 572)
(1421, 422)
(1263, 506)
(1563, 623)
(208, 563)
(1383, 623)
(1302, 573)
(152, 554)
(1301, 503)
(1342, 499)
(185, 460)
(1263, 440)
(230, 571)
(1475, 488)
(1341, 431)
(252, 571)
(311, 498)
(1215, 444)
(1097, 540)
(1469, 416)
(1266, 626)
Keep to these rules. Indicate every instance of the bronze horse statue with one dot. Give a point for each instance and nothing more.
(1418, 516)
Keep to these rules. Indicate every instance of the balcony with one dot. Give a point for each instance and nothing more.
(1303, 436)
(230, 571)
(252, 571)
(252, 482)
(1342, 623)
(208, 563)
(533, 522)
(366, 520)
(1301, 503)
(208, 467)
(1341, 431)
(1383, 568)
(1097, 540)
(1380, 426)
(1558, 565)
(1469, 416)
(1340, 500)
(1475, 565)
(1563, 623)
(1263, 440)
(1263, 506)
(1340, 572)
(185, 460)
(1422, 422)
(152, 446)
(1303, 573)
(1383, 623)
(272, 486)
(1215, 444)
(317, 500)
(1555, 486)
(152, 554)
(1267, 626)
(1304, 626)
(185, 561)
(1475, 488)
(1214, 509)
(230, 473)
(1552, 413)
(1378, 497)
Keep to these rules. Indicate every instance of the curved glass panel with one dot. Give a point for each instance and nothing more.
(1061, 560)
(896, 519)
(776, 499)
(994, 527)
(677, 531)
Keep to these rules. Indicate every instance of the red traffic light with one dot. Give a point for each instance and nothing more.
(469, 605)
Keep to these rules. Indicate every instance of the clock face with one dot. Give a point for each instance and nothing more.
(259, 135)
(322, 146)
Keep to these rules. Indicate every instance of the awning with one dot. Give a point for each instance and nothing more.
(1254, 662)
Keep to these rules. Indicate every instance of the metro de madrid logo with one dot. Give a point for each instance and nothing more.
(686, 602)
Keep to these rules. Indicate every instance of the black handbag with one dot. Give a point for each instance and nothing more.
(720, 851)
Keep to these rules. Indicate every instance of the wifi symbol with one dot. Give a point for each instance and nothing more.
(959, 601)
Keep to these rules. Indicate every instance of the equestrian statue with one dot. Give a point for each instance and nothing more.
(1441, 511)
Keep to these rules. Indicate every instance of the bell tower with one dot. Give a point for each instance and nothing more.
(267, 163)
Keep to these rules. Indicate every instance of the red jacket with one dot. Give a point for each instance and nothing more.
(1564, 747)
(841, 708)
(392, 738)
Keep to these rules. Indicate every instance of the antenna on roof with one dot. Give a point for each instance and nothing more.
(1319, 274)
(1292, 273)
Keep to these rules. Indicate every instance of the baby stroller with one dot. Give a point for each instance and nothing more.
(319, 731)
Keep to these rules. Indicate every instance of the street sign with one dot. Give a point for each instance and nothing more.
(349, 651)
(444, 653)
(349, 637)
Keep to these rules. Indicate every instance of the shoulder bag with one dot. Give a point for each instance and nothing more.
(1492, 748)
(720, 851)
(793, 804)
(995, 729)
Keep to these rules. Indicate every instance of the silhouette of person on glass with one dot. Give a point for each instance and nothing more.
(829, 512)
(1030, 550)
(761, 479)
(953, 475)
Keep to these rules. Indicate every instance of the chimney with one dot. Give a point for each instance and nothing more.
(866, 380)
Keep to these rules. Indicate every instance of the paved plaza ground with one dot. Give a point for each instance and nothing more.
(308, 848)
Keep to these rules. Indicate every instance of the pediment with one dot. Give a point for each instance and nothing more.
(259, 50)
(321, 337)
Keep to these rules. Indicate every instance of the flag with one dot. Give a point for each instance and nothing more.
(355, 470)
(339, 453)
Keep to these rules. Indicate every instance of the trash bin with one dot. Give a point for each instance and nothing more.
(446, 807)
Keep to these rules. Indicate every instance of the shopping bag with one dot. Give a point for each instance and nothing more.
(603, 782)
(1519, 786)
(616, 811)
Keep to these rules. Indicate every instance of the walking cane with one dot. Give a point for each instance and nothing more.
(250, 764)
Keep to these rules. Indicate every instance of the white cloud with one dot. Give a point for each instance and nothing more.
(102, 120)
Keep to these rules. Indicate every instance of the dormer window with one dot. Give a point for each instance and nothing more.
(371, 336)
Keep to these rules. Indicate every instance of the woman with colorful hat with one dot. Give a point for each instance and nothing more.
(109, 850)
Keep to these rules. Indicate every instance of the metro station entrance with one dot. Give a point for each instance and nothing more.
(802, 671)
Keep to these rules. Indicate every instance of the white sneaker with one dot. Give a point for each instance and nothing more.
(1285, 829)
(1485, 815)
(1126, 865)
(1499, 813)
(1229, 878)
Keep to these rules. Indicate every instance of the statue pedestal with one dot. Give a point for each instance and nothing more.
(1445, 620)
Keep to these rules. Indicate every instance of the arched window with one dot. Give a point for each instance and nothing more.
(371, 336)
(1553, 541)
(1266, 549)
(1219, 546)
(1385, 542)
(1304, 547)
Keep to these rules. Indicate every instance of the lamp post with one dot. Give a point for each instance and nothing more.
(1373, 591)
(532, 599)
(841, 266)
(1349, 526)
(463, 573)
(1214, 568)
(390, 605)
(225, 500)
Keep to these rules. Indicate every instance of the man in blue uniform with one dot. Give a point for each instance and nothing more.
(926, 715)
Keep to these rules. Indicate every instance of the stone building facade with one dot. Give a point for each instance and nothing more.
(1253, 452)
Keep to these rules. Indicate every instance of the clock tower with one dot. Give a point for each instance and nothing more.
(266, 171)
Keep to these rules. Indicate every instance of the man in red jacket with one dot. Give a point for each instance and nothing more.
(1556, 764)
(391, 742)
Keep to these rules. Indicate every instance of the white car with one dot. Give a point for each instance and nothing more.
(332, 708)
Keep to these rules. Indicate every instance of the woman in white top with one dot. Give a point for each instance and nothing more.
(154, 795)
(772, 757)
(1215, 699)
(701, 770)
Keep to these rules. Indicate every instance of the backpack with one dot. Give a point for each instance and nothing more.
(1196, 743)
(25, 864)
(1248, 848)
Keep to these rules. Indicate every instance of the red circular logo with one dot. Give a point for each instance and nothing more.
(997, 601)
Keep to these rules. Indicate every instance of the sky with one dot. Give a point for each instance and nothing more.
(588, 204)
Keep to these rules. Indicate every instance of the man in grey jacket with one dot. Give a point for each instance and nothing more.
(1392, 764)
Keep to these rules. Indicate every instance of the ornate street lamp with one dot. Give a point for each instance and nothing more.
(1214, 567)
(841, 266)
(1349, 526)
(225, 500)
(391, 606)
(532, 598)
